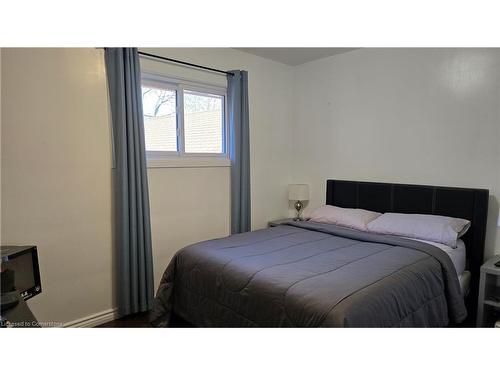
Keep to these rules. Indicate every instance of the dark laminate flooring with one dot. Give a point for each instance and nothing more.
(140, 320)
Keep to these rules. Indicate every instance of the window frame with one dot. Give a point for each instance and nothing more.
(180, 86)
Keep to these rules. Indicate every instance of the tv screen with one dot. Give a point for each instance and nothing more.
(22, 262)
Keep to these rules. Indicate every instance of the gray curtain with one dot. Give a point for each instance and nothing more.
(239, 150)
(133, 231)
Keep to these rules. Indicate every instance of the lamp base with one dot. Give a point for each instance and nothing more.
(298, 206)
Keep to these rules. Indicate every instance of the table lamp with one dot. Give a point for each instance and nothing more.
(298, 193)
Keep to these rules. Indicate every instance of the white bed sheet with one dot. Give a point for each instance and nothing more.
(457, 255)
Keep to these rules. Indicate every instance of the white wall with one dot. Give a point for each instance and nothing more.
(270, 98)
(424, 116)
(56, 158)
(56, 175)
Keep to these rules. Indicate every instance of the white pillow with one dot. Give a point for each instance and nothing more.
(441, 229)
(346, 217)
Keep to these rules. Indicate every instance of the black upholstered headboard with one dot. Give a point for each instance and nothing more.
(470, 204)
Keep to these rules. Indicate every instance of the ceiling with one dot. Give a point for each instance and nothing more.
(295, 56)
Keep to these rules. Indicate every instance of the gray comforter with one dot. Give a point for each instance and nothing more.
(310, 275)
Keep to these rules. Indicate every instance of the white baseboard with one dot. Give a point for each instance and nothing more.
(93, 320)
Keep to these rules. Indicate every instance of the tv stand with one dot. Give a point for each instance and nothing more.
(19, 316)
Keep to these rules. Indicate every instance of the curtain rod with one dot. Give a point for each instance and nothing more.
(184, 63)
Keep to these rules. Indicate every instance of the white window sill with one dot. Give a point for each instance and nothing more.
(189, 162)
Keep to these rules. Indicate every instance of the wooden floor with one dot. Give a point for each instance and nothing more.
(140, 320)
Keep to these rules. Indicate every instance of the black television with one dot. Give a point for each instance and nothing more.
(20, 271)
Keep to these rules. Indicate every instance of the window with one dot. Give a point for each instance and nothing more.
(203, 123)
(160, 114)
(182, 119)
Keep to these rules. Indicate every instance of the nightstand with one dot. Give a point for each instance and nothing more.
(488, 308)
(275, 223)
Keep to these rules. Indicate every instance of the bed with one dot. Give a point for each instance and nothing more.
(307, 274)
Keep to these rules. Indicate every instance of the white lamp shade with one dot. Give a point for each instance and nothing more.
(298, 192)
